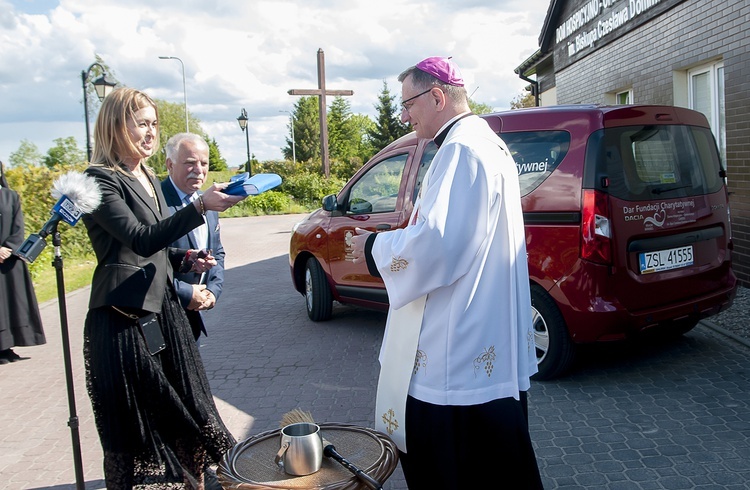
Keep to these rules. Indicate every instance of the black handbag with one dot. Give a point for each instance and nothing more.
(150, 329)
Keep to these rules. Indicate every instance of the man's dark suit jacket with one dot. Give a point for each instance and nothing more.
(131, 237)
(214, 279)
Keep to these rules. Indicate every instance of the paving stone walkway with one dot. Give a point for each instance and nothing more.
(662, 414)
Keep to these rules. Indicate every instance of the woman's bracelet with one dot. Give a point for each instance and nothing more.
(203, 207)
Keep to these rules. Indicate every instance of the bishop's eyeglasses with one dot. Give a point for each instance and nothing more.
(403, 102)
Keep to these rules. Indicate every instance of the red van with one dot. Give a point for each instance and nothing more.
(626, 213)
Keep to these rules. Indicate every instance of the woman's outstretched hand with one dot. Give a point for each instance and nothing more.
(215, 200)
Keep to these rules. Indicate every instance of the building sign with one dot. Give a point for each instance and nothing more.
(594, 23)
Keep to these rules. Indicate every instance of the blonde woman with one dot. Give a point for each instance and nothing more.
(154, 410)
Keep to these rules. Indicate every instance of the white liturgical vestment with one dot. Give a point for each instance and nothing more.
(465, 250)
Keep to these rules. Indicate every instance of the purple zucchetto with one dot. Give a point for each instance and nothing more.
(443, 69)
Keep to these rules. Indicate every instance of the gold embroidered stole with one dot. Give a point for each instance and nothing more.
(399, 353)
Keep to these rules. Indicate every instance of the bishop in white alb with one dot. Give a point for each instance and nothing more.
(465, 250)
(458, 349)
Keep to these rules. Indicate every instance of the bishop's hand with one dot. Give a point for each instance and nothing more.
(358, 245)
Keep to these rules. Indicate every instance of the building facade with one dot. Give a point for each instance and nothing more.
(688, 53)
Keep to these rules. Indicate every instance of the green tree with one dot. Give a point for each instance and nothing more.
(342, 133)
(171, 122)
(361, 148)
(524, 99)
(479, 108)
(215, 161)
(388, 125)
(289, 151)
(363, 125)
(26, 156)
(65, 153)
(306, 130)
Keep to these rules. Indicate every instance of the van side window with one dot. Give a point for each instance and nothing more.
(537, 154)
(377, 190)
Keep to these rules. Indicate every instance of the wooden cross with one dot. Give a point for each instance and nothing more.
(321, 92)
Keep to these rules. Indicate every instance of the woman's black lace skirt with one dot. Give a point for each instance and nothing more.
(151, 407)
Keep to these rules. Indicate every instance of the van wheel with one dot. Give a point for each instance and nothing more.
(318, 297)
(554, 348)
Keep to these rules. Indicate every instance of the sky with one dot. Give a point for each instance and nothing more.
(246, 54)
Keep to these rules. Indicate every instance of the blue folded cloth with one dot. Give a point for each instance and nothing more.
(244, 185)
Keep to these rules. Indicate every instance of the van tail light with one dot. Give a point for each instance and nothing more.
(596, 234)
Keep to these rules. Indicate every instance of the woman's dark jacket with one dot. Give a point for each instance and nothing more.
(130, 236)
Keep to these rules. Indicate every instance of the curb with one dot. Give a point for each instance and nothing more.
(712, 326)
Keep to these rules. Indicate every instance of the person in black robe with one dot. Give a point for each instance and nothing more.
(20, 321)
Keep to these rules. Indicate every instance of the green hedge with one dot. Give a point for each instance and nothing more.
(301, 191)
(309, 188)
(33, 185)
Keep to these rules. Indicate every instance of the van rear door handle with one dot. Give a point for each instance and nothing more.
(383, 226)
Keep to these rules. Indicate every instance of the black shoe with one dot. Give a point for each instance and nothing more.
(4, 360)
(11, 356)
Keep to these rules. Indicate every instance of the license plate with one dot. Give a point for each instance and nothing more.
(664, 260)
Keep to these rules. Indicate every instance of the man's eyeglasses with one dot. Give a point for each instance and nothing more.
(403, 103)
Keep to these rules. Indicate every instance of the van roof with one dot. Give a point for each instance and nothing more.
(578, 117)
(590, 117)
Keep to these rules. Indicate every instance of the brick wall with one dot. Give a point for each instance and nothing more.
(692, 33)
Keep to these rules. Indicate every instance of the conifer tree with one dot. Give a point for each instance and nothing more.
(215, 160)
(306, 130)
(388, 126)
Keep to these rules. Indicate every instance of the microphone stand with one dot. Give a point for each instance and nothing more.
(57, 262)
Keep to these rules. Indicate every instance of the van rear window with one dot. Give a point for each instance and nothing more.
(642, 162)
(537, 155)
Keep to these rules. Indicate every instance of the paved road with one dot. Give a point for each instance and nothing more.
(651, 415)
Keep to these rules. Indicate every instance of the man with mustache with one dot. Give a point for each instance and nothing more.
(187, 162)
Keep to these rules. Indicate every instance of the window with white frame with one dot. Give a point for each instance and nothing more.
(706, 95)
(624, 97)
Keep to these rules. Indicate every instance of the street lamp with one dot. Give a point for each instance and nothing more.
(103, 87)
(242, 120)
(294, 151)
(184, 92)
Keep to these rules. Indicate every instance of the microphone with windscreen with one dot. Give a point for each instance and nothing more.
(77, 194)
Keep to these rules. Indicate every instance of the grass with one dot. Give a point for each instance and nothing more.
(77, 273)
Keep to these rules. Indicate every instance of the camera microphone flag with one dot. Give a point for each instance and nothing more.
(68, 211)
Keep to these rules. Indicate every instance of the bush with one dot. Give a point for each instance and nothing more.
(34, 185)
(309, 188)
(283, 168)
(271, 202)
(301, 190)
(344, 169)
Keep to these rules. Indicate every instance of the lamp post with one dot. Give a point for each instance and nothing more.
(294, 151)
(184, 92)
(242, 120)
(103, 87)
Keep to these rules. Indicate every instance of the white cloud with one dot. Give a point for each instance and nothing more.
(245, 55)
